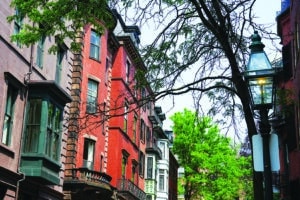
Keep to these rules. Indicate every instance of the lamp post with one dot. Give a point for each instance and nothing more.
(259, 75)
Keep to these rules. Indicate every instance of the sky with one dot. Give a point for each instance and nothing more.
(265, 13)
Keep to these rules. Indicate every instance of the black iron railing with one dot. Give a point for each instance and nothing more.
(126, 186)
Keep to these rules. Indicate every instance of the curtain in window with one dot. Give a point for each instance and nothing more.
(88, 153)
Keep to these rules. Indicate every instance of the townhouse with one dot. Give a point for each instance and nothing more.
(35, 92)
(289, 81)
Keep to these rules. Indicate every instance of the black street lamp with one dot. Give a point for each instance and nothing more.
(259, 75)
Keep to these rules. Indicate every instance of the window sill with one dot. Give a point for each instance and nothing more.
(94, 59)
(7, 151)
(40, 167)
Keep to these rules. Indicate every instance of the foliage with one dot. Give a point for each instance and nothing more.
(212, 167)
(201, 48)
(59, 18)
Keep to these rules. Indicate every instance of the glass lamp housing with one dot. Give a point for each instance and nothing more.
(259, 75)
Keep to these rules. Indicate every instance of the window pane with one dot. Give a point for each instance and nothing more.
(133, 173)
(95, 45)
(10, 101)
(6, 127)
(59, 61)
(124, 163)
(94, 52)
(126, 108)
(40, 52)
(53, 131)
(149, 167)
(142, 134)
(55, 147)
(88, 153)
(48, 142)
(95, 38)
(141, 164)
(161, 180)
(57, 120)
(50, 114)
(33, 125)
(18, 23)
(163, 149)
(92, 94)
(127, 71)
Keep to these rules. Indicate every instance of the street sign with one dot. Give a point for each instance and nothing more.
(257, 148)
(274, 152)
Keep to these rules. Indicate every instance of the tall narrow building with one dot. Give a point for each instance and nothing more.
(126, 141)
(35, 90)
(86, 174)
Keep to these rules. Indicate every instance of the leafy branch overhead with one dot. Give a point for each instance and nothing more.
(61, 18)
(201, 48)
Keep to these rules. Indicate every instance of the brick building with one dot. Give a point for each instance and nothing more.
(35, 90)
(289, 33)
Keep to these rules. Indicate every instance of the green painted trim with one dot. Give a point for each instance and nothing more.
(41, 168)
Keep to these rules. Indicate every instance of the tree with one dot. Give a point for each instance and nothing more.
(208, 38)
(212, 168)
(61, 18)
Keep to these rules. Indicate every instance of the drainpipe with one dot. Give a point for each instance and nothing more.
(26, 80)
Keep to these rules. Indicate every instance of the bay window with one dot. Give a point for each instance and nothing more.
(43, 131)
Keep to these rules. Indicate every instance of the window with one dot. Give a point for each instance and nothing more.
(161, 180)
(92, 94)
(134, 128)
(33, 126)
(133, 171)
(40, 52)
(107, 67)
(59, 60)
(148, 136)
(41, 147)
(125, 156)
(162, 147)
(104, 119)
(8, 116)
(127, 71)
(95, 45)
(88, 153)
(150, 167)
(141, 163)
(144, 102)
(53, 131)
(148, 197)
(18, 23)
(142, 133)
(126, 108)
(40, 111)
(101, 163)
